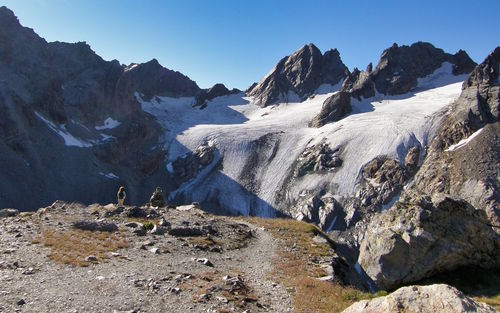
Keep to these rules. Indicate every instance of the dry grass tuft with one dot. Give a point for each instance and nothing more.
(293, 270)
(71, 247)
(144, 220)
(205, 242)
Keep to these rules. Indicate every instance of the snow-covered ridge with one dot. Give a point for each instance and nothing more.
(382, 125)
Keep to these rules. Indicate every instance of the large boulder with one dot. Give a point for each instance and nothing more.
(418, 237)
(421, 299)
(8, 212)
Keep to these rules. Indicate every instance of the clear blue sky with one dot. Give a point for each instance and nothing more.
(237, 42)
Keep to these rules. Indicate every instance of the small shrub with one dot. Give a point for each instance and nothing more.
(148, 225)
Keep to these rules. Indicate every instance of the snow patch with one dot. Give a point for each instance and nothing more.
(170, 168)
(332, 225)
(69, 140)
(464, 141)
(109, 123)
(109, 175)
(328, 88)
(441, 76)
(107, 137)
(130, 67)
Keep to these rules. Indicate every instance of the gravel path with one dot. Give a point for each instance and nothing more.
(139, 280)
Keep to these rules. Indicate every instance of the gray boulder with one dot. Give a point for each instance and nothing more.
(8, 212)
(186, 231)
(417, 238)
(96, 226)
(421, 299)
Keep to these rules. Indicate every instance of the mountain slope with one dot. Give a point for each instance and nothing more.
(428, 231)
(57, 98)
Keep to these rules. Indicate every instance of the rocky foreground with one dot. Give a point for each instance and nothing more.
(74, 258)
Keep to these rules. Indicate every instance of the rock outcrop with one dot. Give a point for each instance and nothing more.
(187, 167)
(334, 108)
(321, 209)
(463, 159)
(418, 237)
(421, 299)
(397, 72)
(318, 159)
(217, 90)
(300, 74)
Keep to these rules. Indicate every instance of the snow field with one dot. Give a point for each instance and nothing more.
(382, 125)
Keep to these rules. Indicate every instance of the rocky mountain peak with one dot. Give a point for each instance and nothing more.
(400, 66)
(151, 79)
(487, 72)
(7, 17)
(397, 72)
(217, 90)
(300, 73)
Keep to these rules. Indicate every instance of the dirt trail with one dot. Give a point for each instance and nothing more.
(173, 279)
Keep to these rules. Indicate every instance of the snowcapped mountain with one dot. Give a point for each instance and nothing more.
(270, 159)
(353, 152)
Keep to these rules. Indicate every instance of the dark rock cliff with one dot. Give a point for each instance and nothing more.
(301, 73)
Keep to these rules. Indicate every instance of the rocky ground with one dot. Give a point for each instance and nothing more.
(74, 258)
(60, 259)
